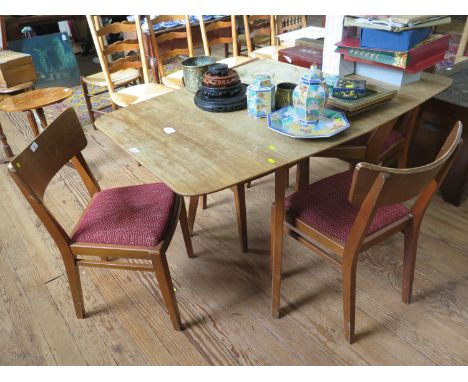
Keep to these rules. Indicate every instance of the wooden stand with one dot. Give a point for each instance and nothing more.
(29, 102)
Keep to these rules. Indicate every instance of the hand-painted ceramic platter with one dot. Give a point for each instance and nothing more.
(285, 121)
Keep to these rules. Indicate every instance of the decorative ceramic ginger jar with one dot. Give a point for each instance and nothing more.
(310, 96)
(261, 96)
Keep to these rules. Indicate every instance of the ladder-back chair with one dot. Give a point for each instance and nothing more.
(133, 222)
(132, 94)
(350, 212)
(169, 45)
(211, 37)
(261, 30)
(95, 85)
(289, 23)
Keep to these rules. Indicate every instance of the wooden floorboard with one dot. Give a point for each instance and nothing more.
(223, 293)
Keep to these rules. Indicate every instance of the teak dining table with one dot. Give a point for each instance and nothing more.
(196, 152)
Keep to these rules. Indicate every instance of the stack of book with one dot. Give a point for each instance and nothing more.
(394, 49)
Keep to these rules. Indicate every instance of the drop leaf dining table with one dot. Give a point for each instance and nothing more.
(195, 152)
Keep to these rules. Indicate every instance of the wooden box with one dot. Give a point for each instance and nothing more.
(15, 68)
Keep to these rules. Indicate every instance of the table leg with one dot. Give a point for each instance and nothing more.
(302, 174)
(6, 147)
(42, 117)
(277, 218)
(32, 123)
(192, 212)
(239, 199)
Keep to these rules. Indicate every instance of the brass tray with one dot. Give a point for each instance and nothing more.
(374, 97)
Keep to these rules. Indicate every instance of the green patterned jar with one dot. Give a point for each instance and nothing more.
(310, 96)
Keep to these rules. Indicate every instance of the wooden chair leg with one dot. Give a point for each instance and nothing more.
(6, 147)
(402, 159)
(192, 212)
(167, 288)
(349, 298)
(409, 262)
(89, 105)
(42, 118)
(249, 184)
(184, 226)
(239, 198)
(204, 201)
(32, 123)
(73, 275)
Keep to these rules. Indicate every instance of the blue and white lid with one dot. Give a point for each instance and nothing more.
(313, 76)
(261, 81)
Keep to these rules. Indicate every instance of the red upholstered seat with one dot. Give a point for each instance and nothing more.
(390, 140)
(133, 215)
(324, 206)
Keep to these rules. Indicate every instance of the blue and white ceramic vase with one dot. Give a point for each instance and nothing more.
(261, 96)
(310, 96)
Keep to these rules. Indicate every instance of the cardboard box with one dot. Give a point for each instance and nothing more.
(309, 43)
(389, 75)
(15, 68)
(400, 41)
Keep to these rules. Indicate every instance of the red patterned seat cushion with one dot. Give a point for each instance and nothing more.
(324, 206)
(390, 140)
(133, 215)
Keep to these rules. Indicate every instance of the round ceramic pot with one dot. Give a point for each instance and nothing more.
(194, 68)
(310, 96)
(284, 93)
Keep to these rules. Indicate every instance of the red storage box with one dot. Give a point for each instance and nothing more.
(301, 56)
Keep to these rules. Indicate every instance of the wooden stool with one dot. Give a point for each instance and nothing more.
(34, 100)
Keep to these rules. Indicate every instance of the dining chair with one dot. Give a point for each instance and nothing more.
(347, 213)
(387, 144)
(260, 30)
(289, 23)
(132, 222)
(98, 84)
(211, 37)
(170, 45)
(132, 94)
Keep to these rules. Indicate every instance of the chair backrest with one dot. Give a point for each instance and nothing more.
(211, 34)
(62, 141)
(104, 51)
(33, 169)
(289, 23)
(404, 184)
(170, 44)
(259, 25)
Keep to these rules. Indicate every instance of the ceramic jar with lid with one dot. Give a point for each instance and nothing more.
(261, 96)
(310, 96)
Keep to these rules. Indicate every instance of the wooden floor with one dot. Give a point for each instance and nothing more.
(223, 294)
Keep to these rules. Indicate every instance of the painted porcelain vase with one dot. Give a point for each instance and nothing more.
(261, 96)
(310, 96)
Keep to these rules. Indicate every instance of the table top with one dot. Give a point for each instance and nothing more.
(208, 152)
(35, 99)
